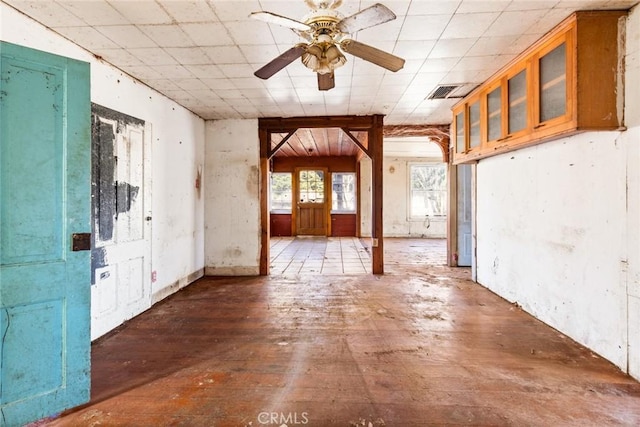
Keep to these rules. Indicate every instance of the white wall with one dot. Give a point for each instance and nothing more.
(232, 235)
(558, 230)
(395, 216)
(177, 153)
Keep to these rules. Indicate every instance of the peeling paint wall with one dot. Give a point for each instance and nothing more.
(396, 222)
(558, 230)
(177, 155)
(232, 195)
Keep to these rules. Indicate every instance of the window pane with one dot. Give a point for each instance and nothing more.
(518, 102)
(460, 143)
(553, 84)
(343, 192)
(428, 190)
(281, 191)
(494, 108)
(311, 186)
(474, 125)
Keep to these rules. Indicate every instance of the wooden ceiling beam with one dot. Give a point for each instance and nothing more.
(436, 133)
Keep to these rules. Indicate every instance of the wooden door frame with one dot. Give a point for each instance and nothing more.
(373, 125)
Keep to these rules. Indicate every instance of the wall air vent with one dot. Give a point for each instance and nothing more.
(451, 91)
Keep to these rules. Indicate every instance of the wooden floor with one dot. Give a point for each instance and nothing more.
(421, 345)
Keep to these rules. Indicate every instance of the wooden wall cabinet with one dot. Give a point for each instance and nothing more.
(570, 81)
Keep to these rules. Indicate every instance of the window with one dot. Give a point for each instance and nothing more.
(428, 190)
(343, 192)
(311, 186)
(281, 191)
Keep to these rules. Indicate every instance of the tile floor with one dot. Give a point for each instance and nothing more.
(319, 255)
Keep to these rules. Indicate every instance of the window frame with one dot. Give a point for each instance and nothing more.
(445, 190)
(355, 194)
(280, 210)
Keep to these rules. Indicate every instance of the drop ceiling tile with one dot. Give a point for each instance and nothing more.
(237, 70)
(512, 23)
(97, 12)
(143, 72)
(203, 71)
(550, 19)
(259, 54)
(173, 71)
(413, 49)
(165, 85)
(207, 34)
(126, 36)
(396, 79)
(457, 76)
(388, 31)
(423, 27)
(191, 84)
(480, 6)
(531, 5)
(220, 55)
(476, 63)
(118, 57)
(142, 12)
(217, 84)
(87, 36)
(189, 11)
(235, 10)
(490, 46)
(188, 55)
(451, 48)
(167, 35)
(421, 7)
(153, 56)
(248, 33)
(434, 65)
(282, 35)
(247, 82)
(469, 25)
(50, 12)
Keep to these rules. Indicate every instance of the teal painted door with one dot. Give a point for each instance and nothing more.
(45, 189)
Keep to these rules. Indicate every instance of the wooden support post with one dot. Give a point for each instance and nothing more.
(376, 154)
(265, 257)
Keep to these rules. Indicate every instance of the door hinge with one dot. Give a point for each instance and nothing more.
(80, 242)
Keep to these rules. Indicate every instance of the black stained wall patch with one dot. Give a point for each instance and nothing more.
(108, 197)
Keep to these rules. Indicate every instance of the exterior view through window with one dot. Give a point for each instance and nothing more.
(343, 192)
(281, 191)
(428, 188)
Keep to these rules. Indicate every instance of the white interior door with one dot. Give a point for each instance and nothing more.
(122, 220)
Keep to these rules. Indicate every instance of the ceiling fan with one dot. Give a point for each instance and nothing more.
(326, 30)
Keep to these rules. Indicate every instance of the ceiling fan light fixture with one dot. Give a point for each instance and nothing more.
(323, 58)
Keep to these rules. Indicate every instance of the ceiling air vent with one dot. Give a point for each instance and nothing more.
(451, 91)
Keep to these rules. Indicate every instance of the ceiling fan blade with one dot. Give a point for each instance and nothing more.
(280, 62)
(369, 17)
(326, 81)
(373, 55)
(272, 18)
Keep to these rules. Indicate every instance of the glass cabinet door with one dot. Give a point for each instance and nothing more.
(494, 114)
(460, 142)
(474, 125)
(517, 110)
(553, 84)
